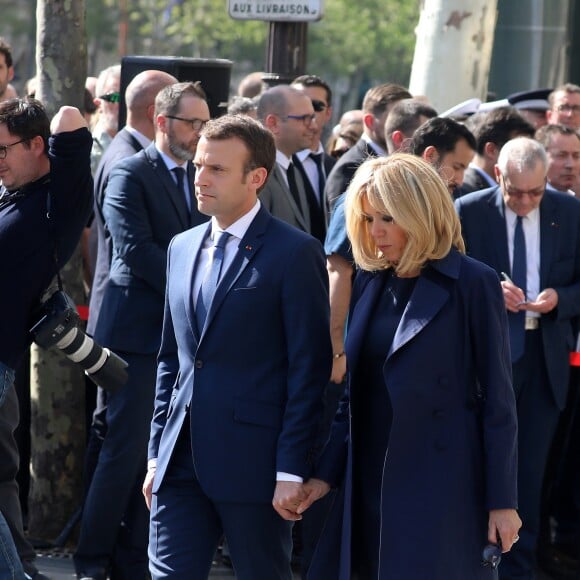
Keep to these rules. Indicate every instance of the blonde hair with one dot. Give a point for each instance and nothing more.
(410, 190)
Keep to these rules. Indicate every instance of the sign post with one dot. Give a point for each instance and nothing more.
(288, 22)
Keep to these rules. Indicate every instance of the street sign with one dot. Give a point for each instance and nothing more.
(276, 10)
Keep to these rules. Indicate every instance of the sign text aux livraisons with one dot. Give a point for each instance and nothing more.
(276, 10)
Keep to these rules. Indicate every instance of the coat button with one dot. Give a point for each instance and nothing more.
(198, 364)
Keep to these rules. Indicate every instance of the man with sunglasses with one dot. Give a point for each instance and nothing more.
(313, 162)
(107, 102)
(149, 198)
(531, 237)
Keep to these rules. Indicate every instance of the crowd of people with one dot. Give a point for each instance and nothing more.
(355, 339)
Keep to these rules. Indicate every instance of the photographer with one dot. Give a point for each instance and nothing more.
(40, 175)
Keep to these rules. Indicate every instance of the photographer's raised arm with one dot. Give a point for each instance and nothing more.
(67, 119)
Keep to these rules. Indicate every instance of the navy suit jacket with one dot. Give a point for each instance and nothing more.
(450, 458)
(143, 210)
(252, 383)
(484, 231)
(123, 145)
(341, 175)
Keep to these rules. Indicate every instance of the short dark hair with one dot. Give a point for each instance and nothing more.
(168, 99)
(6, 50)
(498, 126)
(544, 134)
(314, 81)
(26, 119)
(443, 134)
(258, 140)
(405, 116)
(377, 99)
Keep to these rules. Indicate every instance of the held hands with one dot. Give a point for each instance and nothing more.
(515, 301)
(504, 526)
(292, 499)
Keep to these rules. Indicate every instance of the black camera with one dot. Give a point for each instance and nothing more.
(58, 325)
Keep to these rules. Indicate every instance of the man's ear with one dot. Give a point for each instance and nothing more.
(431, 155)
(160, 121)
(397, 137)
(491, 151)
(272, 122)
(496, 172)
(258, 177)
(368, 121)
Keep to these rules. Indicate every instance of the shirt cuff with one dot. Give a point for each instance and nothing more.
(282, 476)
(151, 464)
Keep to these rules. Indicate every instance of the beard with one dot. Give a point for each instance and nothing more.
(181, 150)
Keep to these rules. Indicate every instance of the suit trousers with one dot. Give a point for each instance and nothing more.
(186, 526)
(537, 420)
(115, 518)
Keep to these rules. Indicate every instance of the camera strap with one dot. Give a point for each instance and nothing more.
(53, 232)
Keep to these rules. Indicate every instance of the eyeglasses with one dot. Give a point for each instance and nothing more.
(111, 97)
(307, 120)
(536, 192)
(575, 109)
(196, 124)
(4, 148)
(319, 106)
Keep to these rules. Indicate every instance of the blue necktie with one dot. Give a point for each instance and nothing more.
(211, 279)
(179, 173)
(519, 277)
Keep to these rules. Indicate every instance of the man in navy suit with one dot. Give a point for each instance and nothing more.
(147, 202)
(540, 266)
(243, 363)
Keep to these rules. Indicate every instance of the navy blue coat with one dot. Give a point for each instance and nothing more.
(143, 210)
(452, 456)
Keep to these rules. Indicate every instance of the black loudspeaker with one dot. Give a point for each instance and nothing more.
(213, 73)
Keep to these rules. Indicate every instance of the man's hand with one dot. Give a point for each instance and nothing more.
(315, 489)
(148, 486)
(67, 119)
(288, 495)
(504, 525)
(513, 297)
(546, 301)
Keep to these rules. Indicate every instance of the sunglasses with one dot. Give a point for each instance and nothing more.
(111, 97)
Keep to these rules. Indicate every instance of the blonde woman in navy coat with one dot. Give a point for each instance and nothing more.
(423, 449)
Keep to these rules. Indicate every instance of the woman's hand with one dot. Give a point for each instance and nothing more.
(315, 489)
(504, 525)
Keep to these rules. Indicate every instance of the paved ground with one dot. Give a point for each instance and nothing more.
(60, 567)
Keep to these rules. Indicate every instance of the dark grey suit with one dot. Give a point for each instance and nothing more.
(278, 200)
(473, 180)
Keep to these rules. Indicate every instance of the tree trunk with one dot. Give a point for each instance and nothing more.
(57, 385)
(453, 51)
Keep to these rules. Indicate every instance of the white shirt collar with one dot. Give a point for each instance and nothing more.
(239, 228)
(378, 149)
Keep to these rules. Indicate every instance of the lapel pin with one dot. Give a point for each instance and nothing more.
(555, 225)
(248, 248)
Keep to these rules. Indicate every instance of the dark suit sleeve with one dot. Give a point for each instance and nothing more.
(306, 324)
(129, 222)
(167, 373)
(488, 333)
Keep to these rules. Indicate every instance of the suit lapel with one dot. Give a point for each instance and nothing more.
(426, 301)
(248, 247)
(549, 230)
(497, 225)
(177, 201)
(281, 185)
(192, 258)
